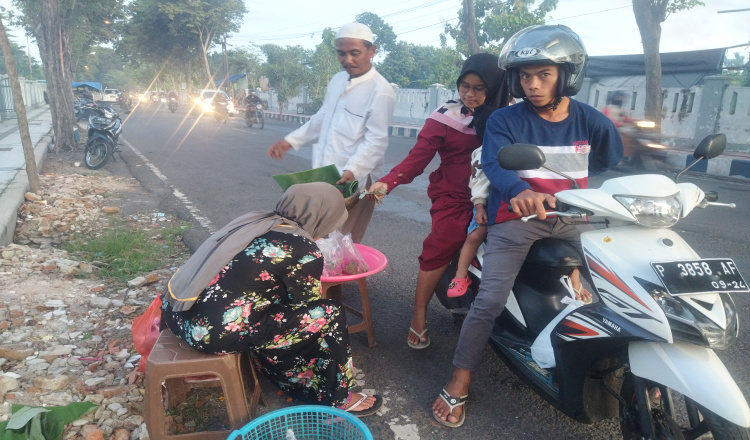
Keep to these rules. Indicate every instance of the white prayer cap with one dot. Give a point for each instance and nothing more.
(355, 30)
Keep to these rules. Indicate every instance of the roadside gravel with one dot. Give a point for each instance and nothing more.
(64, 332)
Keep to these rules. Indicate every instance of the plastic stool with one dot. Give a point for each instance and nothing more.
(172, 360)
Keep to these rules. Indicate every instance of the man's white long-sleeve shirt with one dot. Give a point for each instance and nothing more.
(351, 127)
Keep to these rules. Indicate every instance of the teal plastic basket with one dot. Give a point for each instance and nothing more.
(305, 422)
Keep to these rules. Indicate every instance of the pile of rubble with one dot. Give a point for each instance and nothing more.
(64, 334)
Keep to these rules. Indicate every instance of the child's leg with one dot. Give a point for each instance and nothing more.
(460, 284)
(469, 250)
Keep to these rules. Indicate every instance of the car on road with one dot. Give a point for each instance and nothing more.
(110, 95)
(207, 96)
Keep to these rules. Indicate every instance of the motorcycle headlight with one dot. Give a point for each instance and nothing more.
(653, 212)
(646, 124)
(230, 106)
(206, 107)
(198, 101)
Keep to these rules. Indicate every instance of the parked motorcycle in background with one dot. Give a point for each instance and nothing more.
(643, 353)
(104, 130)
(254, 115)
(82, 108)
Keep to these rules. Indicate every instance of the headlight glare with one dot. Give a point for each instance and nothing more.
(653, 212)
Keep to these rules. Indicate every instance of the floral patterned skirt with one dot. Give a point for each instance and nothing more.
(303, 349)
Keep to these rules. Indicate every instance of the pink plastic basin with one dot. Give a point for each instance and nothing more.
(375, 260)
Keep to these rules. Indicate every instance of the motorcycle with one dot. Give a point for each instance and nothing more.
(662, 310)
(172, 104)
(254, 115)
(126, 103)
(220, 110)
(104, 130)
(82, 108)
(639, 140)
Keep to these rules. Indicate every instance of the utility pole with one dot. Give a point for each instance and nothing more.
(226, 66)
(28, 55)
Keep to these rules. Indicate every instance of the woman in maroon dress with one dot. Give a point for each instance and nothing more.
(452, 131)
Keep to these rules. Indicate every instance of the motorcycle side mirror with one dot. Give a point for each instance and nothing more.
(711, 146)
(518, 157)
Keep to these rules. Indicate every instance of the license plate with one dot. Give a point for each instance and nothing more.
(700, 276)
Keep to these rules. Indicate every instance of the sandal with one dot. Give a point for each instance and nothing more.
(578, 294)
(421, 344)
(452, 403)
(365, 412)
(458, 287)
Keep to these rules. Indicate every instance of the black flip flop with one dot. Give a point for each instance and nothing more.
(369, 411)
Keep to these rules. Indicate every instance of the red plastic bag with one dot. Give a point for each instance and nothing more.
(145, 330)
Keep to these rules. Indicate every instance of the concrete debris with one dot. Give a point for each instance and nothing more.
(64, 333)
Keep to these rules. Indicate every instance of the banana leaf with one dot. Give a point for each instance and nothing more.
(328, 174)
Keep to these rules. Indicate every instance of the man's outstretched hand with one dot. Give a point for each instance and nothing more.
(278, 149)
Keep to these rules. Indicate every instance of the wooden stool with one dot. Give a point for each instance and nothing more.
(172, 360)
(376, 262)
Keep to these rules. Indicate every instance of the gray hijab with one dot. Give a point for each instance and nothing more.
(312, 210)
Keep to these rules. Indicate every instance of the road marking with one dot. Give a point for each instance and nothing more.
(195, 212)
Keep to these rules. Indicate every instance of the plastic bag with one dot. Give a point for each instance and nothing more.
(146, 329)
(341, 256)
(541, 349)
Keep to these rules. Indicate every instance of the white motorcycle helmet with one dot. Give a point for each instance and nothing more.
(545, 44)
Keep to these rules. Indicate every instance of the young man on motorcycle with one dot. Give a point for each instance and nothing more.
(251, 100)
(544, 65)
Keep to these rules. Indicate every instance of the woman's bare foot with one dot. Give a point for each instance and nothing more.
(352, 404)
(459, 386)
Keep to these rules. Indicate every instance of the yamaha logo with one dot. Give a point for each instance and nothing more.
(527, 52)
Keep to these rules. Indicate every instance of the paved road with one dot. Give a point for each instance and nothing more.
(219, 171)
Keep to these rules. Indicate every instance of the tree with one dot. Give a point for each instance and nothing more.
(385, 38)
(470, 29)
(64, 29)
(207, 19)
(649, 14)
(22, 62)
(415, 66)
(736, 69)
(496, 21)
(323, 64)
(48, 20)
(23, 123)
(285, 70)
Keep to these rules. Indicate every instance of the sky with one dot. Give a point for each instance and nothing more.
(606, 27)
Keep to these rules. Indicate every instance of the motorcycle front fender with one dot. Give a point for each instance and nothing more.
(696, 372)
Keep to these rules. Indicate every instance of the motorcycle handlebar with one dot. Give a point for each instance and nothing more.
(555, 213)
